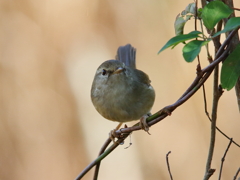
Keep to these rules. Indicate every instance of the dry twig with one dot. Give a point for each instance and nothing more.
(168, 166)
(236, 175)
(223, 159)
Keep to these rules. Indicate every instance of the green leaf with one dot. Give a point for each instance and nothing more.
(231, 24)
(231, 69)
(180, 38)
(213, 12)
(182, 18)
(179, 25)
(192, 49)
(190, 9)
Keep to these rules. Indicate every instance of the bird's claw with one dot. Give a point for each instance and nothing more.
(113, 134)
(143, 123)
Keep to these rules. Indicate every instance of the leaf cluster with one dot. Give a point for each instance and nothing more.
(213, 13)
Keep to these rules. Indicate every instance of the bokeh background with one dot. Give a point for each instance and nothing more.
(49, 129)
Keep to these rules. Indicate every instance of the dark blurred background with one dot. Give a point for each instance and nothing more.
(49, 129)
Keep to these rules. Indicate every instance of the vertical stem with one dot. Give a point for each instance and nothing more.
(216, 95)
(214, 114)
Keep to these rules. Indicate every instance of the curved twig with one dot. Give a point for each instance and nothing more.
(236, 175)
(104, 147)
(168, 165)
(223, 158)
(102, 156)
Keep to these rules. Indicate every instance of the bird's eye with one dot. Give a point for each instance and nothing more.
(104, 72)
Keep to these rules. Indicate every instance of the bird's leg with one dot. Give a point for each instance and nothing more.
(143, 122)
(112, 134)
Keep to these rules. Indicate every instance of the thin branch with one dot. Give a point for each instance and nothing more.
(205, 103)
(209, 173)
(102, 156)
(216, 97)
(223, 158)
(228, 137)
(236, 175)
(104, 147)
(237, 9)
(168, 165)
(196, 15)
(219, 130)
(203, 36)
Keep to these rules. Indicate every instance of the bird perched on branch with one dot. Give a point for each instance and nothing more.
(120, 92)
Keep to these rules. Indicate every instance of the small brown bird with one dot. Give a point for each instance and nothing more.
(120, 92)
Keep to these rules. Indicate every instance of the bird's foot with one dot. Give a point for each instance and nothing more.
(113, 135)
(143, 123)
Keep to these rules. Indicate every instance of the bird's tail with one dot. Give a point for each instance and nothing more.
(127, 54)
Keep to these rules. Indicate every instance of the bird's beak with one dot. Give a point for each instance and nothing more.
(118, 70)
